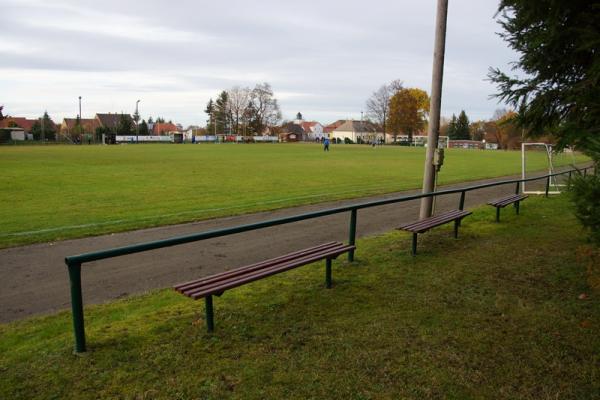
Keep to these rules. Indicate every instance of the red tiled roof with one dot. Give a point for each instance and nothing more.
(306, 125)
(164, 127)
(333, 126)
(21, 122)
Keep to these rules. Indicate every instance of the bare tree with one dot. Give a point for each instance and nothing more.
(265, 107)
(238, 102)
(499, 113)
(378, 105)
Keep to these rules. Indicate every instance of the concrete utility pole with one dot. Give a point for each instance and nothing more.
(435, 106)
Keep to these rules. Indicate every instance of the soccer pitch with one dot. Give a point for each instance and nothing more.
(56, 192)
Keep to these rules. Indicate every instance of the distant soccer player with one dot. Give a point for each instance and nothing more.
(326, 144)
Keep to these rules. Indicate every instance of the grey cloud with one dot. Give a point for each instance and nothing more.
(331, 54)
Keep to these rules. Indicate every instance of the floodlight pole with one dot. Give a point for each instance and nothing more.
(435, 106)
(137, 126)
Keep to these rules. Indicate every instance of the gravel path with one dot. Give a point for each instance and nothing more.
(34, 279)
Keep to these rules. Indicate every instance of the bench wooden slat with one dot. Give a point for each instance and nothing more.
(430, 220)
(209, 286)
(219, 283)
(504, 201)
(428, 223)
(449, 215)
(220, 287)
(229, 275)
(263, 264)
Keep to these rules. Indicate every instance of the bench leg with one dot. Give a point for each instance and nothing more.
(456, 225)
(414, 244)
(497, 214)
(517, 207)
(210, 322)
(328, 273)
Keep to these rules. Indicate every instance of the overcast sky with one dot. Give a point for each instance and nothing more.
(323, 58)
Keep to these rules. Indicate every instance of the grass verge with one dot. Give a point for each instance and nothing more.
(494, 314)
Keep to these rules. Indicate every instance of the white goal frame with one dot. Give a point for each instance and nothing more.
(553, 181)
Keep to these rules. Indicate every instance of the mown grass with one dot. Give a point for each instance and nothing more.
(494, 314)
(57, 192)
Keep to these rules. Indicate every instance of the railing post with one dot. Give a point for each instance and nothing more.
(547, 185)
(77, 307)
(210, 316)
(352, 234)
(328, 273)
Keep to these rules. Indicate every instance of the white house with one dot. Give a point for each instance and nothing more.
(313, 129)
(354, 130)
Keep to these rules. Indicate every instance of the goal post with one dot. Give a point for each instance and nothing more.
(547, 149)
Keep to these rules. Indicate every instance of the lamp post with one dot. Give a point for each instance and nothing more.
(361, 127)
(137, 126)
(79, 119)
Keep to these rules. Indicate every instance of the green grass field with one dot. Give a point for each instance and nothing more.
(57, 192)
(459, 321)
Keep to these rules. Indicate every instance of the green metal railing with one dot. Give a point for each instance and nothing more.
(74, 262)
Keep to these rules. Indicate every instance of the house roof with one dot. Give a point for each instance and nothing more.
(308, 125)
(164, 127)
(88, 124)
(111, 120)
(333, 126)
(21, 122)
(356, 126)
(291, 127)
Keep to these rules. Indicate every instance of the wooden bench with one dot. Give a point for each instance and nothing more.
(219, 283)
(504, 201)
(426, 224)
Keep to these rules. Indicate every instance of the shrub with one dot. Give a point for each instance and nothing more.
(4, 135)
(585, 191)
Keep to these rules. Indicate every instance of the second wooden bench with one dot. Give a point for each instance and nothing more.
(504, 201)
(426, 224)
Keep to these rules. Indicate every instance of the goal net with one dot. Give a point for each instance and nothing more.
(540, 155)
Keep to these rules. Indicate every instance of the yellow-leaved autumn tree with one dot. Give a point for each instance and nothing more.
(409, 109)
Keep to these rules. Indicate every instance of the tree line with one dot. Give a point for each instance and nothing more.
(398, 110)
(243, 111)
(502, 129)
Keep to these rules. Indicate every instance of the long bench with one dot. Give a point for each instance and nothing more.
(217, 284)
(504, 201)
(426, 224)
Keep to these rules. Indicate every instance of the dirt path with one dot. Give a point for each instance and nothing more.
(34, 280)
